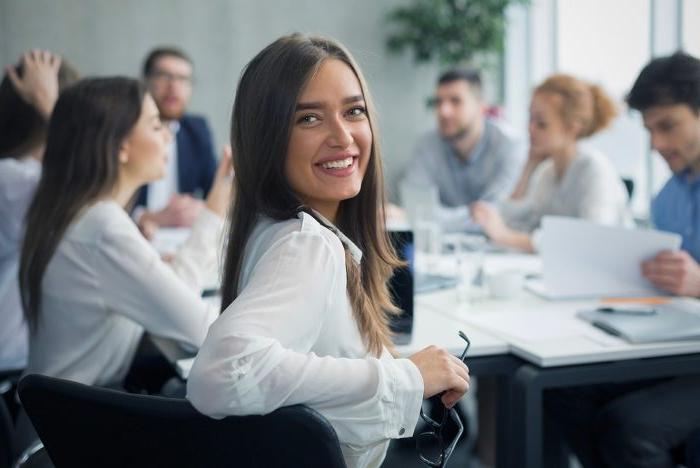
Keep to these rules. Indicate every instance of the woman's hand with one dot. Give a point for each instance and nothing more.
(442, 373)
(534, 157)
(38, 85)
(219, 198)
(490, 220)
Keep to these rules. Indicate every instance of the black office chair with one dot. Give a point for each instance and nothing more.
(17, 448)
(91, 426)
(692, 450)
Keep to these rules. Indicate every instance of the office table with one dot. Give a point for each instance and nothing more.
(557, 349)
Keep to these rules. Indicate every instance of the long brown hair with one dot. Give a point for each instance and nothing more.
(87, 128)
(261, 126)
(22, 127)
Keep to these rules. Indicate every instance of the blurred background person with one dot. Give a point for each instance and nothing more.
(469, 157)
(175, 200)
(562, 177)
(28, 93)
(90, 283)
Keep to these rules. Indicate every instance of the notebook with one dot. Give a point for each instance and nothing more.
(582, 259)
(675, 321)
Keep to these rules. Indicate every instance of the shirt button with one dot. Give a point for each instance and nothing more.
(402, 431)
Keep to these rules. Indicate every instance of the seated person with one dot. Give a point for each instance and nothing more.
(305, 299)
(28, 93)
(642, 424)
(469, 157)
(561, 176)
(174, 199)
(90, 283)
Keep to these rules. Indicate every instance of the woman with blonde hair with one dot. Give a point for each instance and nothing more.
(305, 302)
(562, 176)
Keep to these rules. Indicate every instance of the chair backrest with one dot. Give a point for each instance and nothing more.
(6, 444)
(91, 426)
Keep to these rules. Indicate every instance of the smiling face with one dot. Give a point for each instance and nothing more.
(331, 139)
(675, 134)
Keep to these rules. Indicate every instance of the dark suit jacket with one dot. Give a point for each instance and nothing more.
(196, 161)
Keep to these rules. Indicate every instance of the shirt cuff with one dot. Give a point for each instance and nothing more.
(402, 394)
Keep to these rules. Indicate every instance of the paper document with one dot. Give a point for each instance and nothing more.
(581, 259)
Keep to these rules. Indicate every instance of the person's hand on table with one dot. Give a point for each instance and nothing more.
(490, 220)
(675, 272)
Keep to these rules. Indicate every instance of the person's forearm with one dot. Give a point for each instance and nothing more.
(516, 239)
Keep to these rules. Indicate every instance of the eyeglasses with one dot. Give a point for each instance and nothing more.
(163, 76)
(431, 446)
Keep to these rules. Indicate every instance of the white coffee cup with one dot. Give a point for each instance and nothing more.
(506, 284)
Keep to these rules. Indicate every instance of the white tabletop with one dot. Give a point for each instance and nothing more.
(548, 333)
(433, 328)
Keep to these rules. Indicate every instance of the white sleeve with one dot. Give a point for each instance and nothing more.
(136, 283)
(257, 356)
(198, 258)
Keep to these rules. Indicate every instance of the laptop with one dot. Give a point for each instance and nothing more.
(401, 287)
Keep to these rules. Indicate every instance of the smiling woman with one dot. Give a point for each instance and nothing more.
(305, 302)
(329, 148)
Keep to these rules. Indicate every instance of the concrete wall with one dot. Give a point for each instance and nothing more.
(106, 37)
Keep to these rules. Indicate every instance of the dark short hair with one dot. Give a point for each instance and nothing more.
(150, 62)
(473, 77)
(673, 79)
(22, 127)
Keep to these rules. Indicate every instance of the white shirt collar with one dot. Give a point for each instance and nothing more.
(349, 244)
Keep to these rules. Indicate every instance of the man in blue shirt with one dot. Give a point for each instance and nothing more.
(647, 423)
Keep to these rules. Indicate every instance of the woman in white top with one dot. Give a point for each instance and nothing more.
(28, 93)
(90, 283)
(561, 177)
(304, 291)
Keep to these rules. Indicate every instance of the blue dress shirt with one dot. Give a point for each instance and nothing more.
(676, 209)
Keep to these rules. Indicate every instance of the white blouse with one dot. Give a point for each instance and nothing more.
(590, 189)
(18, 181)
(105, 284)
(290, 338)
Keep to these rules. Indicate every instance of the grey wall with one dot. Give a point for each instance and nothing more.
(111, 37)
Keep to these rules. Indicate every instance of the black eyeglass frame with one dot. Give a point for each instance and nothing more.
(436, 428)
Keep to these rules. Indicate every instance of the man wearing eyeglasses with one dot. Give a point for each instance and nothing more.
(175, 200)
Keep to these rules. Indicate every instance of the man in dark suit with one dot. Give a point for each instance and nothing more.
(175, 200)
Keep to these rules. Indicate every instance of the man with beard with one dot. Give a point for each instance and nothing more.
(175, 200)
(470, 157)
(644, 424)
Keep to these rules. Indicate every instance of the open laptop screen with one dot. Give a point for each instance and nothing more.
(401, 286)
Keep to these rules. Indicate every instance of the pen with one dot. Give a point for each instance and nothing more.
(627, 311)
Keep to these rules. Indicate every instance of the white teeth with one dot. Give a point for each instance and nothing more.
(339, 164)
